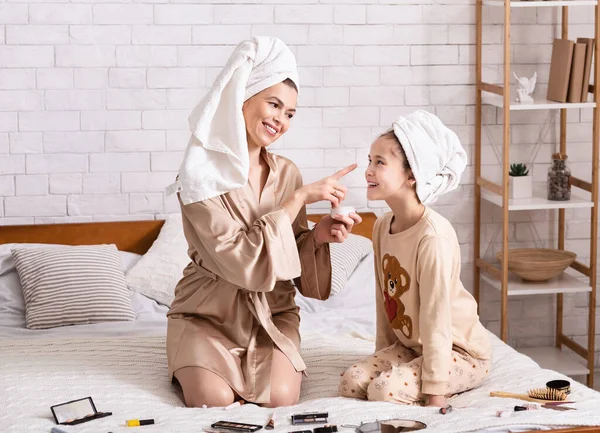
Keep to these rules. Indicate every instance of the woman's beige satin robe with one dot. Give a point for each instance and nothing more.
(235, 300)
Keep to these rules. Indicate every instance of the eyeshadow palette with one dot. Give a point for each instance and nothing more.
(236, 426)
(310, 418)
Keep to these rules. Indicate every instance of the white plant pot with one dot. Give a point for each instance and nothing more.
(520, 186)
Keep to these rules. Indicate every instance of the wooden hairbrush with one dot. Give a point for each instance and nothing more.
(538, 395)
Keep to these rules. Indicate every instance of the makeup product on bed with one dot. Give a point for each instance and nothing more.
(526, 406)
(57, 430)
(208, 430)
(445, 410)
(301, 431)
(271, 423)
(388, 426)
(76, 412)
(560, 385)
(554, 407)
(236, 426)
(538, 395)
(138, 422)
(326, 429)
(310, 418)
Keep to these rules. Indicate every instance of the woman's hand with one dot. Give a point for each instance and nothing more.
(328, 188)
(335, 229)
(437, 400)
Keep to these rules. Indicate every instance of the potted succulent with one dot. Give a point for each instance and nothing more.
(519, 183)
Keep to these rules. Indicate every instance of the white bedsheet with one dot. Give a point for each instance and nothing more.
(351, 312)
(128, 376)
(123, 367)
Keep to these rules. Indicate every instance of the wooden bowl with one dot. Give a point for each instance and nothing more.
(538, 264)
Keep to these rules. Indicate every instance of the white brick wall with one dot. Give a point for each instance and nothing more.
(8, 122)
(54, 78)
(65, 183)
(95, 95)
(26, 142)
(105, 34)
(37, 35)
(17, 79)
(32, 184)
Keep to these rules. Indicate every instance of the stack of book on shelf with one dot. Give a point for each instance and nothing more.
(570, 69)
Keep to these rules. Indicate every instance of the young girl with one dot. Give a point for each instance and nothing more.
(430, 343)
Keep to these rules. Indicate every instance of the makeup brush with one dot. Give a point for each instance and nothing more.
(538, 395)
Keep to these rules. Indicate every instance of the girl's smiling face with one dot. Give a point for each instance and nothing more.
(388, 174)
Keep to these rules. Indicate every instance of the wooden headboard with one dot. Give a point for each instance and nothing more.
(133, 236)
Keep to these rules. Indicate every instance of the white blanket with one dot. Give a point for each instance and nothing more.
(128, 376)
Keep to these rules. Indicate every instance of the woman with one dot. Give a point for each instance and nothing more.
(233, 326)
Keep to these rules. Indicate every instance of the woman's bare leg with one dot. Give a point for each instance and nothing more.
(285, 381)
(203, 387)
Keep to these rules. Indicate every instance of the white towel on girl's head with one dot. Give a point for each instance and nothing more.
(216, 159)
(434, 153)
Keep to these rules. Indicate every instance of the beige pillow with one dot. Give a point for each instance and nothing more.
(72, 285)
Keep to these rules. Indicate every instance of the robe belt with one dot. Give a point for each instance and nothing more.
(259, 307)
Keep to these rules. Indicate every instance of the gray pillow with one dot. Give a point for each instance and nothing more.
(345, 257)
(72, 285)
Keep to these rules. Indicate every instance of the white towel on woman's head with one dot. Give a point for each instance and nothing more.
(216, 159)
(434, 153)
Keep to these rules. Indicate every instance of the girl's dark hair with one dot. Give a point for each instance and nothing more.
(390, 135)
(290, 83)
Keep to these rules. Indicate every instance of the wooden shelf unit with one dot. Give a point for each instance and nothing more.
(496, 274)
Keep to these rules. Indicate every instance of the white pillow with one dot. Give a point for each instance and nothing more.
(160, 269)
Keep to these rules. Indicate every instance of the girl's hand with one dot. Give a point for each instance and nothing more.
(335, 229)
(437, 400)
(328, 188)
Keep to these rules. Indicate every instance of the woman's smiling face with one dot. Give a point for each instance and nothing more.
(268, 114)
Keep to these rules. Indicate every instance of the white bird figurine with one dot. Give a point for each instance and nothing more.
(525, 87)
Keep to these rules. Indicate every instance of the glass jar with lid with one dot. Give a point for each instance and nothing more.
(559, 178)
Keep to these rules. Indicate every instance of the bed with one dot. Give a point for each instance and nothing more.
(122, 365)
